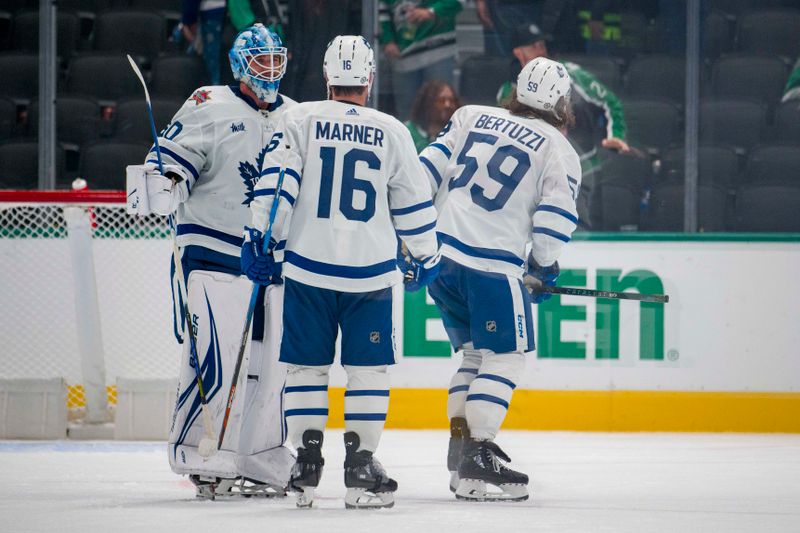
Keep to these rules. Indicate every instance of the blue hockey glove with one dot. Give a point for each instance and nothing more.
(258, 266)
(536, 276)
(417, 273)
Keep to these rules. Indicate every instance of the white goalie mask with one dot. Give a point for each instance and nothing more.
(349, 62)
(542, 83)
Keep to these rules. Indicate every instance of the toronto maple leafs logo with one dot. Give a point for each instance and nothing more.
(251, 173)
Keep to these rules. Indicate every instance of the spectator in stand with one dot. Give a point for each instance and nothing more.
(419, 38)
(435, 103)
(500, 17)
(207, 41)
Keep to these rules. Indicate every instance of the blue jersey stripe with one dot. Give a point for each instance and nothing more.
(366, 392)
(340, 271)
(499, 379)
(436, 175)
(306, 412)
(412, 208)
(271, 192)
(186, 229)
(417, 231)
(557, 210)
(552, 233)
(483, 253)
(443, 148)
(368, 417)
(306, 388)
(468, 370)
(487, 398)
(458, 388)
(178, 159)
(276, 170)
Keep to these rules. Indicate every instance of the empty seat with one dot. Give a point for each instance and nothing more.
(718, 165)
(19, 73)
(78, 119)
(747, 76)
(735, 7)
(481, 77)
(166, 5)
(774, 32)
(178, 75)
(19, 164)
(8, 118)
(666, 208)
(625, 169)
(734, 122)
(103, 162)
(606, 70)
(717, 35)
(106, 77)
(767, 207)
(774, 163)
(657, 76)
(787, 121)
(132, 122)
(619, 207)
(141, 34)
(25, 32)
(652, 123)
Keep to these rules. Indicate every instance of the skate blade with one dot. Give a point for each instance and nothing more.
(364, 499)
(453, 481)
(305, 499)
(476, 490)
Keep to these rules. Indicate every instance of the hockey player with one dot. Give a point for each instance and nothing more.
(352, 179)
(208, 182)
(504, 179)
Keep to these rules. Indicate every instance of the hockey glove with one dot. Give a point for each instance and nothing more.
(257, 265)
(536, 276)
(417, 273)
(149, 191)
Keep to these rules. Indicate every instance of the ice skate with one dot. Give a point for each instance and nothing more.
(368, 485)
(458, 433)
(210, 487)
(482, 477)
(307, 469)
(252, 488)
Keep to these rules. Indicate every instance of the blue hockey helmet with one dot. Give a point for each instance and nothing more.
(258, 59)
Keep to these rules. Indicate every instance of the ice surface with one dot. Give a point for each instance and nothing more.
(581, 482)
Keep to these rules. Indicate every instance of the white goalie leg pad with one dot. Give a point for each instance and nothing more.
(218, 303)
(490, 392)
(306, 400)
(366, 402)
(462, 379)
(262, 456)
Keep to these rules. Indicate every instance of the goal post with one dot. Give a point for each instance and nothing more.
(84, 295)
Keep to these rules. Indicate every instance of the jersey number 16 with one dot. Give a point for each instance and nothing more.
(350, 183)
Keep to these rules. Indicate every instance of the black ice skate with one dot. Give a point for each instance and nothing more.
(368, 486)
(481, 469)
(307, 469)
(458, 433)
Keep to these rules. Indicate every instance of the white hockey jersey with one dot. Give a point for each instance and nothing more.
(352, 178)
(218, 137)
(502, 181)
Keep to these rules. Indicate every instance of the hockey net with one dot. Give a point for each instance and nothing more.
(40, 308)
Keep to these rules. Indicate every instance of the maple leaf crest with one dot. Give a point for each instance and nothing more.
(250, 174)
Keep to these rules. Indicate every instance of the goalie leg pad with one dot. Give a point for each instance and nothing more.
(366, 402)
(490, 392)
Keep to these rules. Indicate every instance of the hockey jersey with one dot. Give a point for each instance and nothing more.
(352, 182)
(218, 137)
(501, 182)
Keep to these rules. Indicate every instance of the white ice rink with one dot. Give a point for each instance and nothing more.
(581, 482)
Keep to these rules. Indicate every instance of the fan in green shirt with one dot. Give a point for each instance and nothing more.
(433, 106)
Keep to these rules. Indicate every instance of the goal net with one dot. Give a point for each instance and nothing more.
(84, 293)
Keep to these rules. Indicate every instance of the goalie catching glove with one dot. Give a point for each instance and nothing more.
(150, 191)
(537, 275)
(259, 266)
(417, 273)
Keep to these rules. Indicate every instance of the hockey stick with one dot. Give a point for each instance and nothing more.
(573, 291)
(251, 309)
(206, 446)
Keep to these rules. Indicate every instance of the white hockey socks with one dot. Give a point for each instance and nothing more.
(306, 403)
(366, 402)
(490, 392)
(462, 379)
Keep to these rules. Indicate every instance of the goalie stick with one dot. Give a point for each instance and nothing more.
(206, 447)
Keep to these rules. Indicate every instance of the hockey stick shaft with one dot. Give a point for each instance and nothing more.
(250, 311)
(573, 291)
(176, 259)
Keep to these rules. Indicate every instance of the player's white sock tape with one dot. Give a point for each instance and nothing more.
(306, 403)
(490, 392)
(459, 384)
(366, 402)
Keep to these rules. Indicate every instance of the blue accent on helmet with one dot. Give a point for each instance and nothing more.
(258, 59)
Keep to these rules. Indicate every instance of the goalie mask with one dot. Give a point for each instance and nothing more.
(258, 59)
(542, 84)
(349, 62)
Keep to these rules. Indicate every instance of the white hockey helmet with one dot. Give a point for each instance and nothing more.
(349, 62)
(542, 83)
